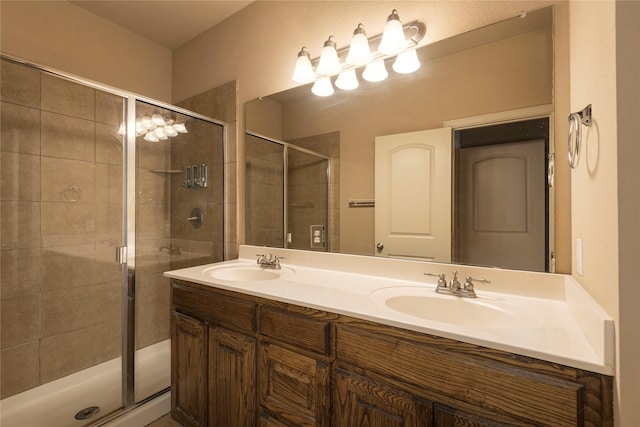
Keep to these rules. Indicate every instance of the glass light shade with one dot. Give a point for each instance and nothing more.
(159, 133)
(170, 131)
(329, 62)
(151, 137)
(347, 80)
(303, 72)
(406, 62)
(146, 122)
(180, 127)
(393, 41)
(323, 87)
(359, 51)
(375, 71)
(157, 119)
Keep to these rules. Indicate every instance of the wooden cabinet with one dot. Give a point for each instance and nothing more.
(240, 360)
(232, 378)
(188, 370)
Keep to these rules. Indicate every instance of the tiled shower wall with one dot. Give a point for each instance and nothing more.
(60, 222)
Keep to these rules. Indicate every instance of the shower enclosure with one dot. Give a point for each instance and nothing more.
(287, 195)
(101, 192)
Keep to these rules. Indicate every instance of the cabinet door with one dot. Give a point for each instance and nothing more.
(445, 416)
(232, 379)
(360, 401)
(188, 370)
(293, 388)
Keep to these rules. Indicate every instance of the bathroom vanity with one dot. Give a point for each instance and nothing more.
(253, 346)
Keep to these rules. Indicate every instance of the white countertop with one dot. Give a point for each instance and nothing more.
(555, 319)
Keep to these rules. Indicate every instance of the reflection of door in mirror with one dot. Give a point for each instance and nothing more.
(502, 215)
(413, 195)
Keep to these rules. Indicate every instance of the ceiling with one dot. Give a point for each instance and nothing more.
(170, 23)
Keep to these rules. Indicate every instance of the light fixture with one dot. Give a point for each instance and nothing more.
(303, 72)
(375, 71)
(322, 87)
(406, 62)
(391, 43)
(347, 80)
(151, 130)
(359, 51)
(329, 62)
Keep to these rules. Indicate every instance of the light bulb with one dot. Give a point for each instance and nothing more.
(322, 87)
(393, 41)
(151, 137)
(147, 123)
(159, 133)
(180, 127)
(375, 71)
(157, 119)
(329, 62)
(303, 72)
(170, 131)
(359, 52)
(347, 80)
(406, 62)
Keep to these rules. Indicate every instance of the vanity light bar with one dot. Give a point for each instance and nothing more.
(397, 40)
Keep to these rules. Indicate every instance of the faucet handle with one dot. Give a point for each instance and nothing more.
(468, 282)
(442, 282)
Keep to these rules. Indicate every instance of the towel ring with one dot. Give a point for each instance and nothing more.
(575, 134)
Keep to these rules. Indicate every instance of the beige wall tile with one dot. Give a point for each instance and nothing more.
(107, 269)
(153, 155)
(67, 310)
(153, 220)
(108, 301)
(107, 340)
(66, 180)
(20, 177)
(67, 353)
(20, 224)
(20, 368)
(153, 187)
(20, 84)
(108, 144)
(108, 184)
(20, 272)
(108, 225)
(152, 255)
(152, 309)
(68, 98)
(65, 223)
(109, 109)
(68, 267)
(67, 137)
(20, 128)
(20, 320)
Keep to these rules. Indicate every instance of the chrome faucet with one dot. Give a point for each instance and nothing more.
(454, 287)
(272, 262)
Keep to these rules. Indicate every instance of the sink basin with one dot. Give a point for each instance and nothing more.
(424, 303)
(245, 273)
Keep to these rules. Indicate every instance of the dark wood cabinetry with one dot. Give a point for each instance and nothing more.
(240, 360)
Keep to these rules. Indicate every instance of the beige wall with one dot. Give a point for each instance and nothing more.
(262, 54)
(63, 36)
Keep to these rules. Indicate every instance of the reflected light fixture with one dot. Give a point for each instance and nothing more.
(391, 43)
(155, 128)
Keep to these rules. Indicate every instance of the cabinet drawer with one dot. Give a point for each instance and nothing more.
(491, 385)
(215, 309)
(304, 332)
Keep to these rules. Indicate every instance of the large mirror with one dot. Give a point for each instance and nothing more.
(490, 90)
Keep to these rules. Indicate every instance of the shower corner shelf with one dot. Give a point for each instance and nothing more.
(164, 170)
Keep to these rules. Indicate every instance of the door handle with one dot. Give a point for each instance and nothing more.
(379, 247)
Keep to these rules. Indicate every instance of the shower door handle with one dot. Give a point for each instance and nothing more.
(121, 254)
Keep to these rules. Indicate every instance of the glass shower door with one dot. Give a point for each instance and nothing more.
(179, 214)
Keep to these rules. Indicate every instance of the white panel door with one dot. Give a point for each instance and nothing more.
(413, 195)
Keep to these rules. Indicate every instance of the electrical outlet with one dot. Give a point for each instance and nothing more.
(317, 236)
(579, 264)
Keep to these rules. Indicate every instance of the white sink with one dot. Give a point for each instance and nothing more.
(245, 273)
(425, 303)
